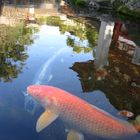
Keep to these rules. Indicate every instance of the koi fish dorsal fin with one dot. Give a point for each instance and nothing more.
(45, 119)
(74, 135)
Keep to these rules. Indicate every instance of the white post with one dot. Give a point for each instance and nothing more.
(31, 13)
(31, 9)
(105, 36)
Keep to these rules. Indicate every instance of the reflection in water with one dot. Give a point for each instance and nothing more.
(13, 50)
(111, 77)
(44, 73)
(75, 30)
(81, 37)
(26, 2)
(119, 80)
(86, 70)
(29, 10)
(14, 41)
(44, 70)
(105, 35)
(116, 36)
(127, 39)
(86, 74)
(87, 37)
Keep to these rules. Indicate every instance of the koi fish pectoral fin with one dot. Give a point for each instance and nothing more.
(74, 135)
(45, 120)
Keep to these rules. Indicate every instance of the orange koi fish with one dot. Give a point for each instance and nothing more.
(80, 115)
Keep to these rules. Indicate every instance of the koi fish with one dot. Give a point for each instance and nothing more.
(77, 113)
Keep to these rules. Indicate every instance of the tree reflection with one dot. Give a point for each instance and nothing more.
(13, 50)
(86, 33)
(77, 47)
(82, 37)
(86, 74)
(119, 81)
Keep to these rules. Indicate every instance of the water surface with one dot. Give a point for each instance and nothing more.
(60, 56)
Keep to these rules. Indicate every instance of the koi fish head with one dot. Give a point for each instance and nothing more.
(42, 94)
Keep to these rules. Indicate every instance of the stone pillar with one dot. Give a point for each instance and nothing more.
(104, 41)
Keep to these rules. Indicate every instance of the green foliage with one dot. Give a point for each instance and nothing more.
(76, 28)
(117, 3)
(55, 21)
(41, 20)
(70, 42)
(92, 36)
(12, 50)
(84, 33)
(51, 20)
(120, 6)
(125, 10)
(80, 3)
(77, 47)
(73, 2)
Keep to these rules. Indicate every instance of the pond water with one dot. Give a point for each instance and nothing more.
(60, 56)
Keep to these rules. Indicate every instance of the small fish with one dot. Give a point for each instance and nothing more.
(77, 113)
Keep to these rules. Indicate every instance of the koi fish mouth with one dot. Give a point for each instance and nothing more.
(31, 89)
(34, 90)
